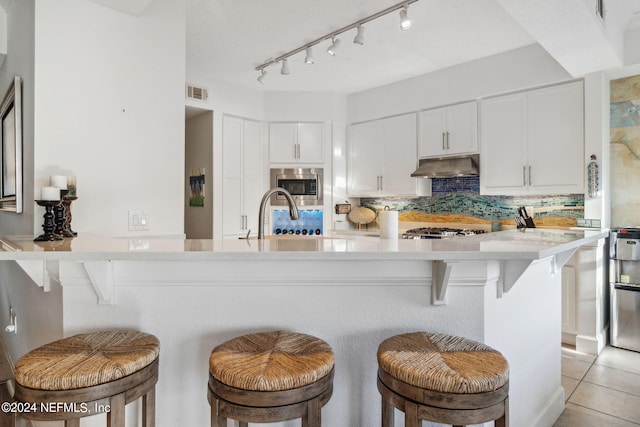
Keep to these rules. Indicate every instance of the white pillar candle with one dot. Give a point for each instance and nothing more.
(59, 181)
(50, 193)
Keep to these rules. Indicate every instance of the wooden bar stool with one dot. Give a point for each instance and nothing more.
(88, 374)
(270, 377)
(442, 378)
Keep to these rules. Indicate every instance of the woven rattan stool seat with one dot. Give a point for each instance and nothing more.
(443, 363)
(442, 378)
(271, 361)
(90, 373)
(86, 360)
(270, 377)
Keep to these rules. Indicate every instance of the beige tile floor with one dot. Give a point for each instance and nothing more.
(602, 391)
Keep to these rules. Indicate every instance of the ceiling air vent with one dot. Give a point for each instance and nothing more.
(197, 92)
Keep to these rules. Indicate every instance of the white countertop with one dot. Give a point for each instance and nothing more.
(535, 243)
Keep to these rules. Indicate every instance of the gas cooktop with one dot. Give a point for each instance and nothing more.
(438, 232)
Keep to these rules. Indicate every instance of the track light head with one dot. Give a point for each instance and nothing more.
(263, 73)
(285, 67)
(405, 21)
(331, 50)
(359, 38)
(308, 59)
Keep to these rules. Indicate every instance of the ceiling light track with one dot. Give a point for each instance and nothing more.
(405, 23)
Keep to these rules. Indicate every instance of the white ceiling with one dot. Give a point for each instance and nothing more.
(227, 39)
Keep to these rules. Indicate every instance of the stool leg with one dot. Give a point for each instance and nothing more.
(411, 415)
(387, 414)
(504, 420)
(217, 420)
(75, 422)
(313, 416)
(149, 408)
(115, 416)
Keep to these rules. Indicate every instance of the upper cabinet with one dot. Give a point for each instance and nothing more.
(296, 142)
(533, 142)
(382, 155)
(447, 131)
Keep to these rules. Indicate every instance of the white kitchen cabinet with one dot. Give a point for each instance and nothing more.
(533, 142)
(296, 142)
(382, 155)
(242, 175)
(448, 131)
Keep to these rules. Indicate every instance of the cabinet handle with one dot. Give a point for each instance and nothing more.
(381, 184)
(443, 146)
(298, 155)
(524, 176)
(530, 182)
(448, 146)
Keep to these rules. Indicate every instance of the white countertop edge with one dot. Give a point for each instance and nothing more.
(505, 245)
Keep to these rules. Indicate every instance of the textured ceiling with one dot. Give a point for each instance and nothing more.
(227, 39)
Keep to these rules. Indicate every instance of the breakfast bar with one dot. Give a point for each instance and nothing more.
(502, 289)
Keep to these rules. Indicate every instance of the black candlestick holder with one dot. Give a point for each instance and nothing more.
(58, 211)
(49, 224)
(66, 201)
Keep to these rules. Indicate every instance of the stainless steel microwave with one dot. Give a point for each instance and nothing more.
(304, 184)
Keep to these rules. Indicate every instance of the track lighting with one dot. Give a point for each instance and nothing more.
(359, 38)
(405, 24)
(335, 43)
(405, 21)
(285, 67)
(308, 59)
(263, 73)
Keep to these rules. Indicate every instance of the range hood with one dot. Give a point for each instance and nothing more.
(447, 167)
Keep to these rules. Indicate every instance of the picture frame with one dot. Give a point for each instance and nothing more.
(11, 191)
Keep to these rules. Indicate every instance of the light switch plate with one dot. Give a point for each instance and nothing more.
(138, 220)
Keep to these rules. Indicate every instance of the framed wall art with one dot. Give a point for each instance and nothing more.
(11, 153)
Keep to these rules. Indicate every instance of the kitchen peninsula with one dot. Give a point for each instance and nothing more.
(500, 288)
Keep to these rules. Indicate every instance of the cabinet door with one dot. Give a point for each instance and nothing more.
(556, 139)
(432, 133)
(232, 182)
(282, 142)
(400, 157)
(253, 173)
(462, 128)
(311, 142)
(503, 142)
(365, 161)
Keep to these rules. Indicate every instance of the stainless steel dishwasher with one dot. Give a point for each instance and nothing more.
(625, 288)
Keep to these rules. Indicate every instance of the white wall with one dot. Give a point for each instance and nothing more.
(110, 110)
(20, 62)
(198, 220)
(38, 313)
(514, 70)
(305, 107)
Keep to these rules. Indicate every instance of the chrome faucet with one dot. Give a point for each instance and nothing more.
(293, 209)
